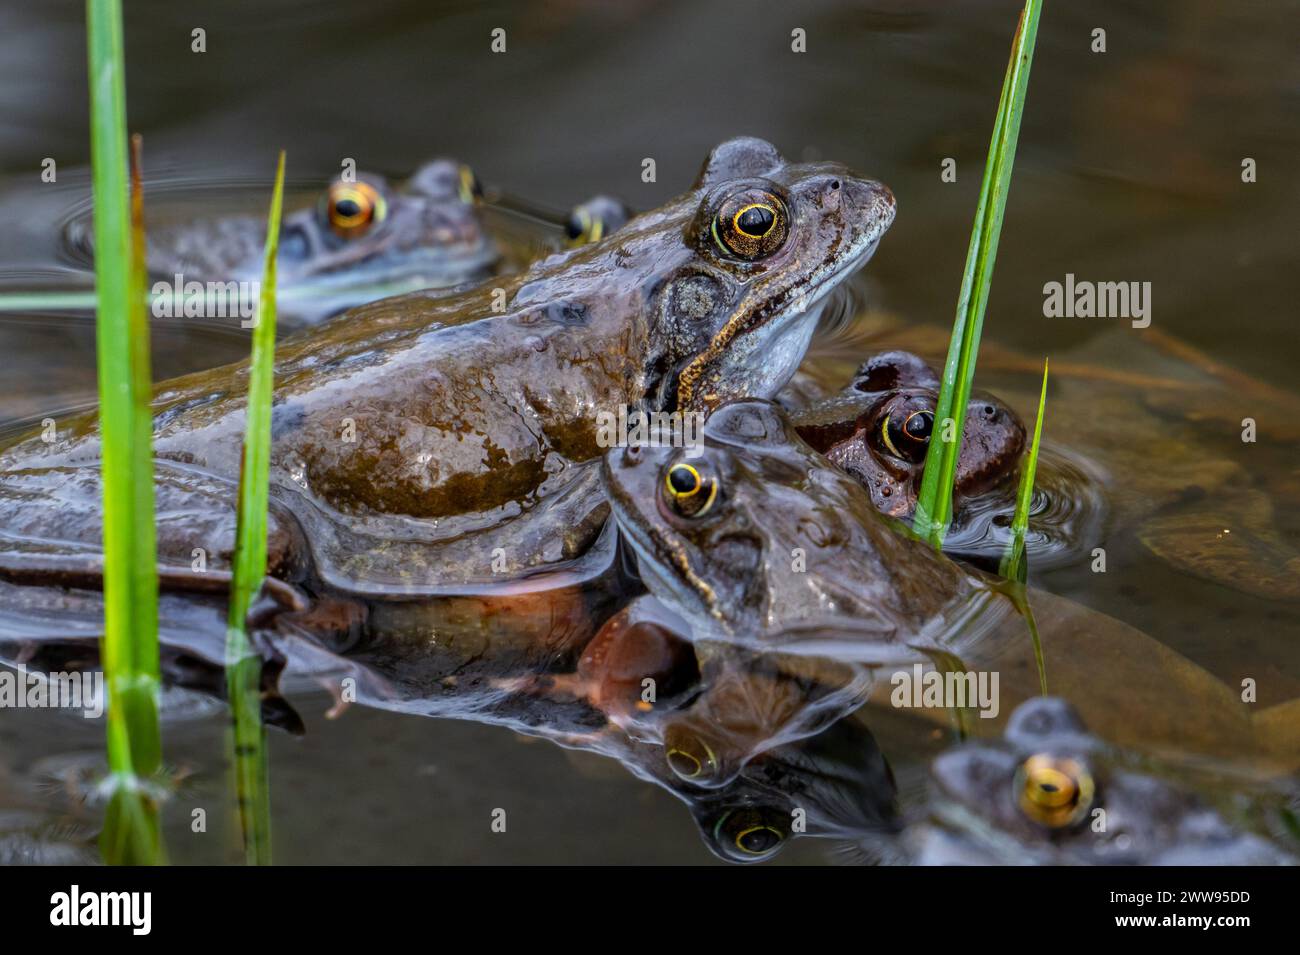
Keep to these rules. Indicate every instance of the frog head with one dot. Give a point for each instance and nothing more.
(752, 534)
(761, 242)
(883, 425)
(1052, 793)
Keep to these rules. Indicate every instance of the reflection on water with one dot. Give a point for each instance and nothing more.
(1144, 446)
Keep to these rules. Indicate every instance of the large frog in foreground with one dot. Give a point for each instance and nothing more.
(427, 441)
(757, 540)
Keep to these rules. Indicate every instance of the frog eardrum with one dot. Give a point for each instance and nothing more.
(751, 224)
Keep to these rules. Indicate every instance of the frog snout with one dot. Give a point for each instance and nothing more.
(867, 201)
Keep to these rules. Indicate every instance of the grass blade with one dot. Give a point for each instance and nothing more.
(130, 644)
(934, 501)
(243, 666)
(1013, 565)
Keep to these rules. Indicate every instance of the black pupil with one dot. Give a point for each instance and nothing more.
(347, 208)
(682, 480)
(756, 221)
(759, 840)
(573, 228)
(919, 426)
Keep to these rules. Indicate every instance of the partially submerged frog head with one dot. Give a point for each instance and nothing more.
(360, 232)
(753, 534)
(765, 242)
(1050, 792)
(596, 219)
(880, 429)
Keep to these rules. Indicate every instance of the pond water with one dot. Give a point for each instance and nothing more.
(1129, 170)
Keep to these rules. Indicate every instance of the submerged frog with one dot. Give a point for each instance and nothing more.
(1051, 793)
(1154, 427)
(758, 541)
(596, 219)
(879, 430)
(429, 441)
(361, 234)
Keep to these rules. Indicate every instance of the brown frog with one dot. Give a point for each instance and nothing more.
(431, 441)
(879, 430)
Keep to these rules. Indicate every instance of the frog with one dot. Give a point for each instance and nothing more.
(1154, 443)
(1050, 792)
(756, 540)
(596, 218)
(430, 443)
(362, 233)
(879, 429)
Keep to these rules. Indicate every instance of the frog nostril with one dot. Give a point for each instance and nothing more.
(990, 411)
(835, 183)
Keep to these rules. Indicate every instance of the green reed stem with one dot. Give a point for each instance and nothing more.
(934, 502)
(243, 665)
(130, 644)
(1013, 565)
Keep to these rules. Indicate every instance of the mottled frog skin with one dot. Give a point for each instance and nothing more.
(427, 440)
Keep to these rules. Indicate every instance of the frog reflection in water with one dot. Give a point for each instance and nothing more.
(1050, 793)
(426, 441)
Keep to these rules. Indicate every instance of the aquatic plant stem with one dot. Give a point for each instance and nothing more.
(934, 501)
(129, 650)
(243, 665)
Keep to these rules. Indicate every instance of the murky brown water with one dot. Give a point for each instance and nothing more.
(1129, 169)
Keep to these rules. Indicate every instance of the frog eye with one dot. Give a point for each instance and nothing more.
(907, 434)
(689, 757)
(1054, 792)
(689, 492)
(751, 833)
(583, 228)
(751, 224)
(468, 187)
(352, 207)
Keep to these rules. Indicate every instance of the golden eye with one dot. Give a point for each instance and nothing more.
(751, 833)
(353, 207)
(468, 187)
(689, 492)
(907, 436)
(751, 224)
(1054, 792)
